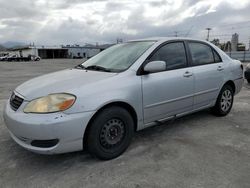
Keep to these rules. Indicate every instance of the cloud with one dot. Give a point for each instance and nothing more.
(159, 3)
(25, 9)
(90, 21)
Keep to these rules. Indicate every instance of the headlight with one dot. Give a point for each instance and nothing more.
(50, 103)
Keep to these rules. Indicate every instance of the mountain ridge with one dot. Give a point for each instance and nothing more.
(11, 44)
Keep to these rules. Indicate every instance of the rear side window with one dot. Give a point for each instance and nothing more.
(201, 53)
(173, 54)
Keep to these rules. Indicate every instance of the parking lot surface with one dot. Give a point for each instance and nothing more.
(198, 150)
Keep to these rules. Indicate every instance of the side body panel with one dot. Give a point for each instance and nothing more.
(166, 93)
(124, 87)
(208, 81)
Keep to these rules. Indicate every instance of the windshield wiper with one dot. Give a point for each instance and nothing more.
(98, 68)
(80, 66)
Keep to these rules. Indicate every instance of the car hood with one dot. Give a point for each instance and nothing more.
(60, 82)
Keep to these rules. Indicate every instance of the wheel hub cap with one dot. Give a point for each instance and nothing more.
(226, 100)
(112, 133)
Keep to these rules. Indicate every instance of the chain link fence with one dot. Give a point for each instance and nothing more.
(243, 56)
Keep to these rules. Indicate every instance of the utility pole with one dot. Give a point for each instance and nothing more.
(208, 31)
(176, 33)
(249, 45)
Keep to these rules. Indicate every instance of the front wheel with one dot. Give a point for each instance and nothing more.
(224, 101)
(110, 133)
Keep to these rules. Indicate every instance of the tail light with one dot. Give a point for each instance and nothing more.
(241, 66)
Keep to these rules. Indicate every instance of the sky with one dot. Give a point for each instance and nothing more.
(56, 22)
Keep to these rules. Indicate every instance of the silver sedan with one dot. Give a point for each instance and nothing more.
(99, 104)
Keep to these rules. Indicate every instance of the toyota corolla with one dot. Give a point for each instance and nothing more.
(99, 104)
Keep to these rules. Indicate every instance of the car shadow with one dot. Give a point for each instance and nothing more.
(174, 124)
(246, 85)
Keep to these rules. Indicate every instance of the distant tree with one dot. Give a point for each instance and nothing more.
(216, 42)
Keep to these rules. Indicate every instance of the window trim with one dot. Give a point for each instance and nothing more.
(140, 71)
(191, 64)
(215, 52)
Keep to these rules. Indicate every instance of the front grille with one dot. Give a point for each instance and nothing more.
(15, 101)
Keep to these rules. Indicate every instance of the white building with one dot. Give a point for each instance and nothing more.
(234, 42)
(76, 51)
(43, 51)
(68, 51)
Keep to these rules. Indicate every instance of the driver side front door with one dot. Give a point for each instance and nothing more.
(170, 92)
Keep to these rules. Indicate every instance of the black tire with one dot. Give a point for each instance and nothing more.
(223, 103)
(110, 133)
(248, 80)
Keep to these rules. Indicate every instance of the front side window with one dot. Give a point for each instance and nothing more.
(118, 57)
(173, 54)
(201, 53)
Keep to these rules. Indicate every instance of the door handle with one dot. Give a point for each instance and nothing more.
(187, 74)
(220, 68)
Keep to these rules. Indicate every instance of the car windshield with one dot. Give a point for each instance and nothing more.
(117, 58)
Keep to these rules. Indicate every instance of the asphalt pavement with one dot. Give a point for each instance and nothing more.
(198, 150)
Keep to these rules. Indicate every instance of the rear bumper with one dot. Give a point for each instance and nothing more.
(64, 130)
(238, 84)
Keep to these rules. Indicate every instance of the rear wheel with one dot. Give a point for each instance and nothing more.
(224, 101)
(110, 133)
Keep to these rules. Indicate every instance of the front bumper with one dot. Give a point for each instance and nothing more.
(68, 129)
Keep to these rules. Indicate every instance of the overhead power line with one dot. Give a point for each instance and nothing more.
(220, 35)
(189, 31)
(238, 23)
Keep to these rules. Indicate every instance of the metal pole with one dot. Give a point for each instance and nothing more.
(208, 31)
(244, 57)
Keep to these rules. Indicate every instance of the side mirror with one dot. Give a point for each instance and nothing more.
(155, 66)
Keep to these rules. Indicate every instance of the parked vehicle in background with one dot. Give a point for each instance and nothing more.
(14, 57)
(4, 58)
(130, 86)
(3, 54)
(34, 58)
(10, 57)
(247, 73)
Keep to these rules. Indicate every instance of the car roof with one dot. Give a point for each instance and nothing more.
(164, 39)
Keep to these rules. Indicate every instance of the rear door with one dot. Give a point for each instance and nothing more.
(169, 92)
(208, 73)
